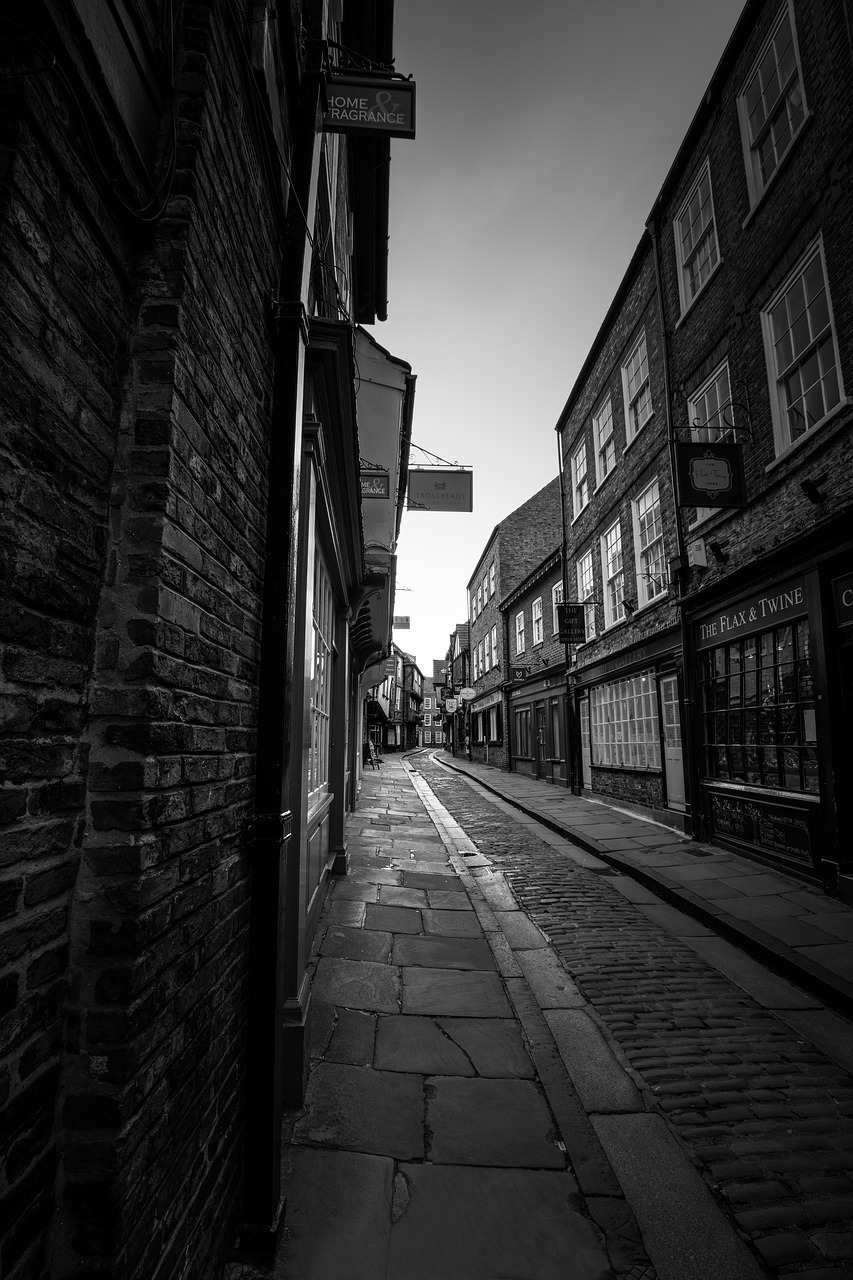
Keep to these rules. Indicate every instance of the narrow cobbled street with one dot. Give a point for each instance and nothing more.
(525, 1066)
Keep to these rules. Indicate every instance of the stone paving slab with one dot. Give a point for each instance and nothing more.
(356, 944)
(490, 1122)
(494, 1047)
(494, 1223)
(549, 982)
(519, 930)
(446, 992)
(352, 1038)
(361, 1109)
(455, 924)
(418, 1045)
(401, 896)
(602, 1083)
(338, 1215)
(443, 900)
(432, 881)
(357, 984)
(437, 952)
(392, 919)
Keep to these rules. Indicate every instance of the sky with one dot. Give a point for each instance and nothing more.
(544, 133)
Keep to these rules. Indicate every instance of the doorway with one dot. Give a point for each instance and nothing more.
(672, 751)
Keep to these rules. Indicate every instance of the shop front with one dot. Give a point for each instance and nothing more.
(773, 682)
(538, 728)
(629, 716)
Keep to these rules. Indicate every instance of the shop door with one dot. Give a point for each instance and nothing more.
(541, 741)
(586, 757)
(672, 754)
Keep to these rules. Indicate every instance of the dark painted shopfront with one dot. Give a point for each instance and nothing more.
(628, 710)
(538, 727)
(773, 672)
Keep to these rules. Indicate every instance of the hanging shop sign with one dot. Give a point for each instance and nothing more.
(467, 694)
(571, 624)
(370, 104)
(440, 489)
(450, 705)
(375, 484)
(402, 622)
(842, 591)
(710, 475)
(518, 673)
(778, 605)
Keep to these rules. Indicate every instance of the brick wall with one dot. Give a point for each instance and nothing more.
(136, 397)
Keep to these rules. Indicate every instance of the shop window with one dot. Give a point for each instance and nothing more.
(537, 620)
(320, 693)
(771, 106)
(637, 389)
(648, 541)
(758, 710)
(802, 358)
(521, 720)
(696, 239)
(556, 730)
(624, 724)
(495, 726)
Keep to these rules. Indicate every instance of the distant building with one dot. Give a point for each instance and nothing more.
(431, 731)
(516, 544)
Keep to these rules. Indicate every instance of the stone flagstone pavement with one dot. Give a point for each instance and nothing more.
(442, 1137)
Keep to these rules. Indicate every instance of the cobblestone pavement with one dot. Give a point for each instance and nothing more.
(766, 1117)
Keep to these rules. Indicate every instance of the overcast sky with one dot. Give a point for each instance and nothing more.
(544, 132)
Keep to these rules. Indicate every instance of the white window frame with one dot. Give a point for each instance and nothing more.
(791, 102)
(536, 621)
(495, 645)
(487, 655)
(604, 443)
(777, 375)
(649, 546)
(585, 571)
(640, 394)
(713, 426)
(492, 578)
(613, 575)
(623, 721)
(427, 704)
(519, 632)
(479, 600)
(556, 598)
(580, 480)
(485, 587)
(689, 257)
(472, 605)
(427, 719)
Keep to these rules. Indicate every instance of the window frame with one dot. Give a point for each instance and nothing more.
(577, 476)
(783, 440)
(685, 263)
(556, 598)
(601, 473)
(629, 400)
(756, 184)
(492, 578)
(519, 632)
(624, 724)
(645, 596)
(487, 652)
(613, 614)
(536, 628)
(584, 594)
(495, 644)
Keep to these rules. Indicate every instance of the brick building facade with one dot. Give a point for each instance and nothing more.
(752, 234)
(516, 544)
(621, 534)
(185, 255)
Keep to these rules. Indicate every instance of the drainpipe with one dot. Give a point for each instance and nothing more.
(687, 682)
(572, 772)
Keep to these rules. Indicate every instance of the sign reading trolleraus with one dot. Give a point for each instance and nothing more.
(440, 489)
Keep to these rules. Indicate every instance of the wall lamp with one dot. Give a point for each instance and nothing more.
(630, 607)
(812, 492)
(718, 551)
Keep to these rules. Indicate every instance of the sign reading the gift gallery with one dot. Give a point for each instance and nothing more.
(440, 489)
(710, 475)
(367, 104)
(571, 624)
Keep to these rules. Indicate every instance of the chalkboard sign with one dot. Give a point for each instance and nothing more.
(772, 827)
